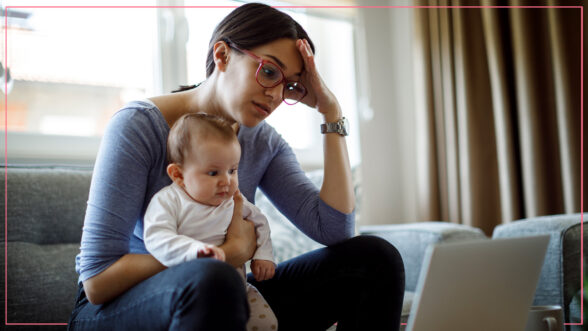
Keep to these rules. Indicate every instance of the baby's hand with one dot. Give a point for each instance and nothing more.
(211, 251)
(263, 269)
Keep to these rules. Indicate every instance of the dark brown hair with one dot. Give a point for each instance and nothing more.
(179, 140)
(249, 26)
(252, 25)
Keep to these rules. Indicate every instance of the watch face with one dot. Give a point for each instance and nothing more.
(344, 126)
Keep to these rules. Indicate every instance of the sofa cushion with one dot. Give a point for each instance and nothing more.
(43, 208)
(45, 213)
(42, 282)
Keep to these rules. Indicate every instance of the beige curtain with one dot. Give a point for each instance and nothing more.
(499, 115)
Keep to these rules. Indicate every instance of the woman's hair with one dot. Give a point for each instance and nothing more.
(201, 125)
(249, 26)
(252, 25)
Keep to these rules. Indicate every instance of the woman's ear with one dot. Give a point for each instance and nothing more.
(220, 54)
(174, 171)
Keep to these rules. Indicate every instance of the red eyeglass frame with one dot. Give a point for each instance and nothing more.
(263, 61)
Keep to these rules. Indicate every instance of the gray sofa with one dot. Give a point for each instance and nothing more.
(45, 210)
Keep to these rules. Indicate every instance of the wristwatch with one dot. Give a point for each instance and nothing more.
(341, 127)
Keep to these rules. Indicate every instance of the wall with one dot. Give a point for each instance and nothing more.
(386, 108)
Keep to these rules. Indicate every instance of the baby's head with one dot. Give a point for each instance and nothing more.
(203, 153)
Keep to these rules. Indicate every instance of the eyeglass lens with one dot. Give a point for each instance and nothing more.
(269, 76)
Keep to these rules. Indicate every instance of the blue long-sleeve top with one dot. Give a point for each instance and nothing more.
(131, 167)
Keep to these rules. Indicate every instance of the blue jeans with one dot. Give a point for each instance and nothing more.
(358, 283)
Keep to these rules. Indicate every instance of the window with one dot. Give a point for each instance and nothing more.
(72, 68)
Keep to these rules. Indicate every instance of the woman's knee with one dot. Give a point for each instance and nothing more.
(208, 280)
(377, 255)
(376, 247)
(208, 274)
(205, 291)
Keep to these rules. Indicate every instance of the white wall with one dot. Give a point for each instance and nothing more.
(386, 108)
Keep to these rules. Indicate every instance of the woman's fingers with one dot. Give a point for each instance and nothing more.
(219, 254)
(238, 206)
(318, 96)
(309, 70)
(238, 198)
(211, 251)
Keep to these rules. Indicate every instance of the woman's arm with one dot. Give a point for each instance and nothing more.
(337, 188)
(240, 241)
(123, 274)
(120, 183)
(297, 197)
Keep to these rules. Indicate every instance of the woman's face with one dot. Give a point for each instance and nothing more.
(249, 103)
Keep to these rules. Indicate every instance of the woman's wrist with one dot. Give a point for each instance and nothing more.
(333, 114)
(233, 255)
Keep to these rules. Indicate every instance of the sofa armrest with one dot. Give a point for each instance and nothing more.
(561, 272)
(412, 240)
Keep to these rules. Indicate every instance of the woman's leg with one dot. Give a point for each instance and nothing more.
(358, 283)
(202, 294)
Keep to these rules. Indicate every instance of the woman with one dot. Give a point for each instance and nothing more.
(258, 57)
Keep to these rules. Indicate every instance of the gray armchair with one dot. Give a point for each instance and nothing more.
(560, 277)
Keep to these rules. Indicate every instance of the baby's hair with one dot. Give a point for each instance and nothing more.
(200, 125)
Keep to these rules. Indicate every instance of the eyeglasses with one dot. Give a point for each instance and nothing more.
(269, 75)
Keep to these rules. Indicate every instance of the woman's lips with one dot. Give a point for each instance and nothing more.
(263, 109)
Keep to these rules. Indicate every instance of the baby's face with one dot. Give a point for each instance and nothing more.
(210, 171)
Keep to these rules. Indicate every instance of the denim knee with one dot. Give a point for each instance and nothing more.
(376, 252)
(207, 292)
(206, 271)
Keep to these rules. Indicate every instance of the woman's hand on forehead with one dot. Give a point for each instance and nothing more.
(319, 96)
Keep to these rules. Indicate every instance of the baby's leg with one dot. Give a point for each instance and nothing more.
(262, 317)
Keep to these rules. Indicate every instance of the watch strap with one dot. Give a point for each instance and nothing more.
(335, 127)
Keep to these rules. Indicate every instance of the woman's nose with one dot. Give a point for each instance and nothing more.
(276, 91)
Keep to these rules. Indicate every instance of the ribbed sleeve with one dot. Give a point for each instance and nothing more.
(126, 174)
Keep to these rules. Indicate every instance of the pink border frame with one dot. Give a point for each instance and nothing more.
(293, 7)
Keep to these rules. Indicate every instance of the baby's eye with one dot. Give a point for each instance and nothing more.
(213, 173)
(232, 171)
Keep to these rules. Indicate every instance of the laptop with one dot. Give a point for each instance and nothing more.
(478, 285)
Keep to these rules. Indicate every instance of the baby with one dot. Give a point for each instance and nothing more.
(189, 218)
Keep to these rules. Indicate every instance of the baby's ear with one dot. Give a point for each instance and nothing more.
(174, 171)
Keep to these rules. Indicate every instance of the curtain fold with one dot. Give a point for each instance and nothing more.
(501, 91)
(506, 148)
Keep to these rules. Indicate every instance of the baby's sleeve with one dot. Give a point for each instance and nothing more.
(160, 232)
(264, 243)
